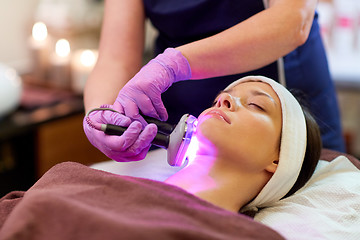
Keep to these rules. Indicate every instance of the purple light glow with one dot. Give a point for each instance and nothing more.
(192, 149)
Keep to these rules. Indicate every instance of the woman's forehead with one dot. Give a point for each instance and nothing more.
(252, 85)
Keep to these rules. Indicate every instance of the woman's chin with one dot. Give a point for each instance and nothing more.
(206, 142)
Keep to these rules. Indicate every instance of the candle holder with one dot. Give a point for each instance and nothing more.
(60, 71)
(39, 44)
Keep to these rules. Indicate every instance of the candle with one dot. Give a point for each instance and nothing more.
(60, 64)
(39, 46)
(39, 32)
(83, 63)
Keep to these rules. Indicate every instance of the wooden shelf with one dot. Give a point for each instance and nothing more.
(44, 131)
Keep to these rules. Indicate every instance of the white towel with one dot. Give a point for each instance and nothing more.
(327, 207)
(154, 166)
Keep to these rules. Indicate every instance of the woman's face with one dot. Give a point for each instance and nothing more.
(243, 126)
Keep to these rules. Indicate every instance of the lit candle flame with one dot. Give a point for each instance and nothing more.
(62, 48)
(88, 58)
(39, 31)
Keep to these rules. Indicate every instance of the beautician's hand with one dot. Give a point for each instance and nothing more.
(143, 91)
(132, 145)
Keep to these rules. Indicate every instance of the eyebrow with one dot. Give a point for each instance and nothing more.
(261, 93)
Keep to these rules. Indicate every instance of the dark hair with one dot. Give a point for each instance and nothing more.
(313, 146)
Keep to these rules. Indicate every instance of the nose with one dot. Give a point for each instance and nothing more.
(225, 100)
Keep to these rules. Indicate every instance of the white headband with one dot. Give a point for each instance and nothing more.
(292, 146)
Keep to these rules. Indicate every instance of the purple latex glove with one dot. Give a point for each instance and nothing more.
(132, 145)
(144, 90)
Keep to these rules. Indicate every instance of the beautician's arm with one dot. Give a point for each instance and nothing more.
(253, 43)
(120, 51)
(250, 44)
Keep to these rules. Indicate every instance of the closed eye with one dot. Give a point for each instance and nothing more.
(257, 106)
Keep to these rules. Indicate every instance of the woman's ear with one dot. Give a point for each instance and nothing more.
(271, 168)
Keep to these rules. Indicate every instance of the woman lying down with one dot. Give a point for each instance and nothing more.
(256, 145)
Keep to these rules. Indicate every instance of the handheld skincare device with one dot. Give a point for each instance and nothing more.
(179, 140)
(174, 138)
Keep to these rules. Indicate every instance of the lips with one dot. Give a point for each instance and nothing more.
(218, 114)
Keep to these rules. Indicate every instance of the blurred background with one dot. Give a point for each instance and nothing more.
(49, 47)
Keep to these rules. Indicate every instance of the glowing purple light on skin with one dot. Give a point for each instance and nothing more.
(192, 149)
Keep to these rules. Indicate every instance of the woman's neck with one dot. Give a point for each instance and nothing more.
(216, 184)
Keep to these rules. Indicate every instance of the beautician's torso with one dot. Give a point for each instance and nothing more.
(181, 22)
